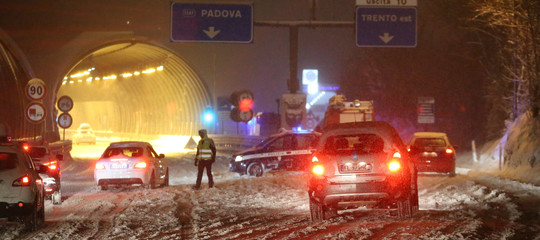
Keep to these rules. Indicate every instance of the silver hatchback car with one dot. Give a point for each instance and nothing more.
(127, 163)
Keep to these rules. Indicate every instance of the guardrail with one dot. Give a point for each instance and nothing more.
(61, 147)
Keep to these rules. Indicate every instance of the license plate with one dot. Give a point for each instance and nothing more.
(429, 154)
(119, 165)
(355, 167)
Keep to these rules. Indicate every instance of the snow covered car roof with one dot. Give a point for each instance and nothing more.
(130, 144)
(430, 134)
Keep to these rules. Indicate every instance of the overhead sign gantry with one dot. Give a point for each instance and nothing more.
(207, 22)
(386, 23)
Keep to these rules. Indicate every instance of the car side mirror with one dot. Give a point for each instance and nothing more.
(161, 155)
(60, 157)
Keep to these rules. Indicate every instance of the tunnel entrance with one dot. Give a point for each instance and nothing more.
(134, 89)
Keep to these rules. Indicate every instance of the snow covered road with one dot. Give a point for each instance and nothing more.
(469, 206)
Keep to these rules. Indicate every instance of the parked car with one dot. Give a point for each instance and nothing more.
(362, 164)
(21, 187)
(85, 134)
(288, 150)
(49, 164)
(432, 152)
(127, 163)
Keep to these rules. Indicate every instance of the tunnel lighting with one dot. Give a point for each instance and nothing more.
(81, 74)
(97, 78)
(109, 77)
(89, 79)
(71, 82)
(64, 82)
(150, 70)
(160, 68)
(79, 81)
(65, 78)
(126, 75)
(137, 73)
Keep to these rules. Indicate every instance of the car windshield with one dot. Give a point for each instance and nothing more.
(37, 152)
(8, 161)
(123, 151)
(429, 142)
(358, 143)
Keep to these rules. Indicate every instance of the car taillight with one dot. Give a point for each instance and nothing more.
(449, 150)
(394, 164)
(52, 165)
(100, 166)
(318, 170)
(140, 165)
(23, 181)
(26, 148)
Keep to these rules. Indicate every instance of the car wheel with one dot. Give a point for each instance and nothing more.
(31, 219)
(404, 207)
(166, 181)
(316, 211)
(255, 169)
(57, 198)
(153, 181)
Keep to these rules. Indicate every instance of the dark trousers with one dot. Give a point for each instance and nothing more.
(201, 166)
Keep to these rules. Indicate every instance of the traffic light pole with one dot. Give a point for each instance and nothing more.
(293, 82)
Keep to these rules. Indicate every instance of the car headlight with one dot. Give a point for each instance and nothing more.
(238, 159)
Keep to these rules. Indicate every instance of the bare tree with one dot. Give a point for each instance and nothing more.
(509, 34)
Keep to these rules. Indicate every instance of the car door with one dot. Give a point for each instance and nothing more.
(273, 152)
(306, 144)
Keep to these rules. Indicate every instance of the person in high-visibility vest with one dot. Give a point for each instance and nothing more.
(206, 155)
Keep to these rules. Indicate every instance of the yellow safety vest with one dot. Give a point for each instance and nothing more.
(205, 153)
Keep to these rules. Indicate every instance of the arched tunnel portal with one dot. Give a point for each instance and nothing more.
(135, 89)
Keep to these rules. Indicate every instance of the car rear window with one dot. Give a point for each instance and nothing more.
(125, 151)
(8, 160)
(37, 152)
(359, 143)
(429, 143)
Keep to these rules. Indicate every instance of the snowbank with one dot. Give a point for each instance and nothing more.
(517, 154)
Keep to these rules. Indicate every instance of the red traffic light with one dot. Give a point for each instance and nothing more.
(245, 104)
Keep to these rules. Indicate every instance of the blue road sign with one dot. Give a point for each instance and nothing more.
(194, 22)
(385, 27)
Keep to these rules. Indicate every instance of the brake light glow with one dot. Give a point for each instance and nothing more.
(23, 181)
(314, 159)
(52, 165)
(449, 150)
(140, 165)
(100, 166)
(318, 169)
(48, 190)
(394, 166)
(395, 163)
(25, 147)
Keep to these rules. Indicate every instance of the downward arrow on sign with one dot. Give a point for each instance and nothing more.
(386, 38)
(211, 32)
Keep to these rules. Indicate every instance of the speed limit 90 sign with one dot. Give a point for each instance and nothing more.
(35, 89)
